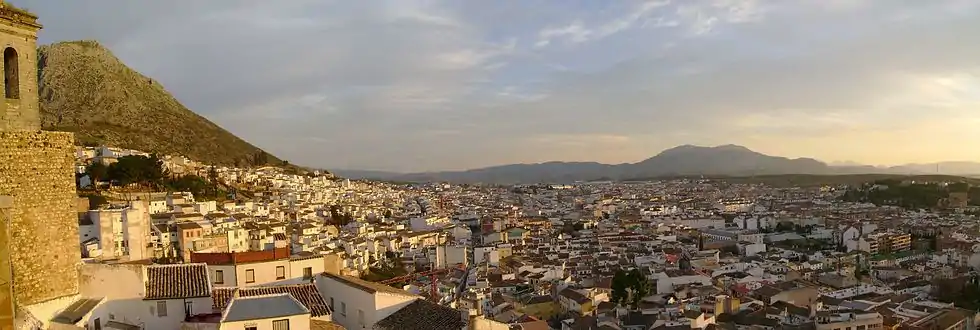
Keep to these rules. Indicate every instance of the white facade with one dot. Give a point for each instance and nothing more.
(359, 308)
(450, 255)
(278, 272)
(120, 232)
(295, 322)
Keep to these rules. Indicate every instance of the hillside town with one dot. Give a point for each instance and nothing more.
(102, 237)
(358, 254)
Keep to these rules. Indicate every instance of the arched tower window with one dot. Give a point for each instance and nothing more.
(11, 76)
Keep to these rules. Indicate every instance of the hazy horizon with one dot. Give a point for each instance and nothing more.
(414, 86)
(836, 163)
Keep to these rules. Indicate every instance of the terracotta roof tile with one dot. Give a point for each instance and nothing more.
(177, 281)
(307, 294)
(325, 325)
(422, 315)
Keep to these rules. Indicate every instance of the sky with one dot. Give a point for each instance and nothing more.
(422, 85)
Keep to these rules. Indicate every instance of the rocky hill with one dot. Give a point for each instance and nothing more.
(85, 89)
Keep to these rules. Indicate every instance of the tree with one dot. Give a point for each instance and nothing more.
(213, 174)
(213, 179)
(339, 218)
(260, 158)
(640, 288)
(155, 172)
(195, 185)
(620, 288)
(141, 170)
(335, 215)
(629, 288)
(346, 219)
(97, 171)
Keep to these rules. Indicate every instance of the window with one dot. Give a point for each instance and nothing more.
(308, 273)
(219, 277)
(333, 307)
(98, 324)
(11, 75)
(188, 308)
(360, 317)
(252, 328)
(280, 325)
(343, 308)
(161, 308)
(280, 272)
(249, 276)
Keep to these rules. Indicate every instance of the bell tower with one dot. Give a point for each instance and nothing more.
(18, 39)
(39, 255)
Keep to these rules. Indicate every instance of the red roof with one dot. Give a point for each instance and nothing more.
(229, 258)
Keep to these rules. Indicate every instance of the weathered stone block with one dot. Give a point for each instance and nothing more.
(36, 169)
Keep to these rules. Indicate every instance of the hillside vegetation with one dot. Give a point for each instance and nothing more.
(917, 195)
(85, 89)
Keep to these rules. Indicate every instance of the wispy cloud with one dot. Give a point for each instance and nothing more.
(500, 82)
(577, 32)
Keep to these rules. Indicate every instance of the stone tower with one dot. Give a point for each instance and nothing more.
(39, 254)
(18, 36)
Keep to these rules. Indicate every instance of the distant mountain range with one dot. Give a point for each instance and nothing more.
(685, 160)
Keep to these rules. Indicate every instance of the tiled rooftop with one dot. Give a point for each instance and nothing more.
(307, 294)
(422, 315)
(177, 281)
(263, 307)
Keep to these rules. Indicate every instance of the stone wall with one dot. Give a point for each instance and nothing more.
(37, 169)
(22, 114)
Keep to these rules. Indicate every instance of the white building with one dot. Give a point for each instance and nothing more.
(119, 232)
(359, 304)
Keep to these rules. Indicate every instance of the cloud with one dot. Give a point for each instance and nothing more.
(577, 32)
(425, 85)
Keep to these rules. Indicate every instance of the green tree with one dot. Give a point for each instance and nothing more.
(213, 175)
(97, 171)
(629, 288)
(197, 186)
(140, 170)
(620, 288)
(260, 158)
(639, 289)
(213, 180)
